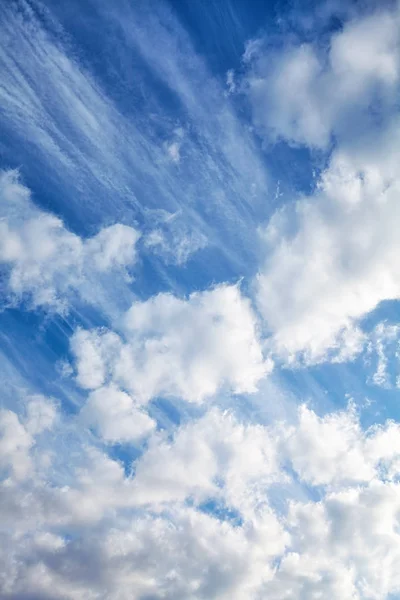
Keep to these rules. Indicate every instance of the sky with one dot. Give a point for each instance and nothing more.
(199, 300)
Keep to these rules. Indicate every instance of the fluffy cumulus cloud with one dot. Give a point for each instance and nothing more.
(333, 262)
(44, 261)
(102, 533)
(17, 435)
(331, 256)
(113, 414)
(336, 84)
(335, 451)
(215, 457)
(188, 348)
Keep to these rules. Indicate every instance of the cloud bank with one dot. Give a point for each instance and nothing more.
(153, 534)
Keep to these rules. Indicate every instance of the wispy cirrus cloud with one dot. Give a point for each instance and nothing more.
(60, 118)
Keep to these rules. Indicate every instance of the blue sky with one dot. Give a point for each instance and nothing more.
(199, 286)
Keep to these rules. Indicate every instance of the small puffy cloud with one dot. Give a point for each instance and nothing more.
(114, 416)
(173, 146)
(112, 248)
(95, 353)
(174, 347)
(336, 84)
(45, 261)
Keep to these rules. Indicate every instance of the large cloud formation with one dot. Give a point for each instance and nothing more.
(153, 533)
(331, 257)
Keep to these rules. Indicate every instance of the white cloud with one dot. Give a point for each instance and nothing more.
(331, 256)
(41, 414)
(186, 348)
(335, 84)
(216, 456)
(15, 443)
(173, 150)
(335, 451)
(112, 248)
(383, 349)
(193, 517)
(90, 537)
(230, 81)
(332, 549)
(113, 414)
(172, 238)
(18, 435)
(94, 351)
(46, 262)
(331, 260)
(103, 161)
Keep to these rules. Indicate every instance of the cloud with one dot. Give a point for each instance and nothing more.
(100, 531)
(216, 457)
(330, 257)
(17, 435)
(337, 83)
(102, 501)
(333, 555)
(15, 444)
(383, 352)
(335, 451)
(46, 262)
(41, 414)
(173, 150)
(113, 414)
(104, 157)
(174, 347)
(172, 238)
(230, 81)
(150, 558)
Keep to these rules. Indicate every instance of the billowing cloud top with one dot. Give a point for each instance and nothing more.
(184, 348)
